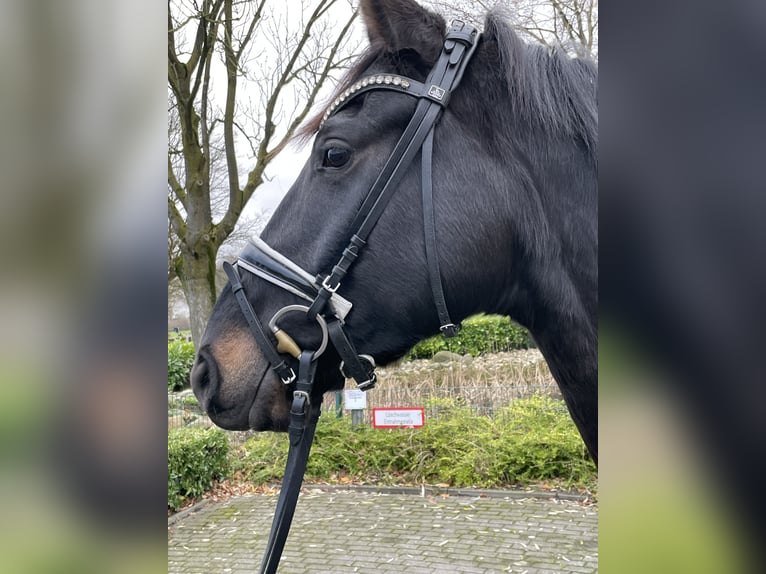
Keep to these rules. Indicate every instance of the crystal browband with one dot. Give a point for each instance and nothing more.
(386, 81)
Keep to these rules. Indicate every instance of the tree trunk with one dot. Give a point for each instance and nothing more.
(198, 283)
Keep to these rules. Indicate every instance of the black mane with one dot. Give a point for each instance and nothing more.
(548, 88)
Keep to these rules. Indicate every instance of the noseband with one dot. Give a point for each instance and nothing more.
(325, 305)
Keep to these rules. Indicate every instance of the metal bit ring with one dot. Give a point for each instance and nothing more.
(304, 309)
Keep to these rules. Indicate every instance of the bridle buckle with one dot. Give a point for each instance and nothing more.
(289, 379)
(328, 287)
(367, 384)
(304, 394)
(449, 330)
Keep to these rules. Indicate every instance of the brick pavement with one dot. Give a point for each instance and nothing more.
(353, 531)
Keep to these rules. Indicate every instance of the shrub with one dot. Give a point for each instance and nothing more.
(545, 443)
(180, 361)
(533, 440)
(191, 402)
(196, 458)
(479, 335)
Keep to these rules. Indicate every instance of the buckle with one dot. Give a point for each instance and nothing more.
(290, 378)
(364, 385)
(304, 394)
(461, 32)
(326, 285)
(449, 330)
(368, 384)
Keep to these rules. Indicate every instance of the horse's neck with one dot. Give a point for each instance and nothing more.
(554, 292)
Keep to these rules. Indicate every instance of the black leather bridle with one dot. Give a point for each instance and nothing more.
(324, 304)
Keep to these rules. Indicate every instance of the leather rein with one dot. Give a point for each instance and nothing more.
(324, 304)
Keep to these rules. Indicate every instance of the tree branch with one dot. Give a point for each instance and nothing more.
(206, 44)
(328, 67)
(253, 24)
(201, 35)
(560, 10)
(175, 186)
(176, 221)
(232, 65)
(204, 100)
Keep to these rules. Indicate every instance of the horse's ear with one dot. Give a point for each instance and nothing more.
(404, 24)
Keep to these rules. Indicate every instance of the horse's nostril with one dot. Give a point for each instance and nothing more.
(199, 373)
(203, 379)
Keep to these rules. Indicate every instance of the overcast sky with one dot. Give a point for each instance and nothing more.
(283, 171)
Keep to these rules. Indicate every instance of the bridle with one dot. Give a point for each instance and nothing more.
(323, 303)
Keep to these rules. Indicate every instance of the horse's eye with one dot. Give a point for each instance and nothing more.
(336, 157)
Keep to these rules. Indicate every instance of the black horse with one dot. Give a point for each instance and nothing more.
(514, 201)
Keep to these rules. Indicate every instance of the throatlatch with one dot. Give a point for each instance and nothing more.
(326, 306)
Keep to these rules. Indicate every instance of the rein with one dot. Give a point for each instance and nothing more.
(326, 306)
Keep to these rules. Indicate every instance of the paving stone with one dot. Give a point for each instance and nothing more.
(343, 532)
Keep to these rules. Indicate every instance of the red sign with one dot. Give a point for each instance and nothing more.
(398, 417)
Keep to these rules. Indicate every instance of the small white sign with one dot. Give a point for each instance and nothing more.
(406, 417)
(355, 400)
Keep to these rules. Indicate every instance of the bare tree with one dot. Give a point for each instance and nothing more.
(571, 24)
(242, 76)
(246, 227)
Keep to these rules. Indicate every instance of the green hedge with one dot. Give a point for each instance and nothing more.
(180, 361)
(196, 458)
(479, 335)
(531, 441)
